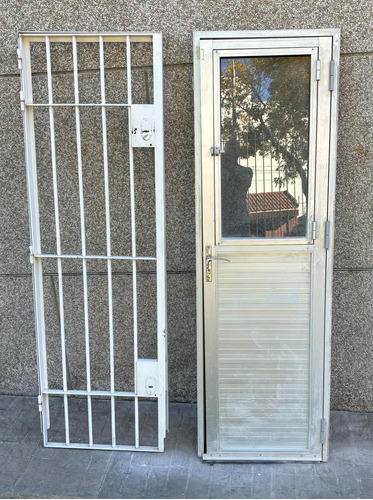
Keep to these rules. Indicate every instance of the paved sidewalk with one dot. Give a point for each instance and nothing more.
(27, 470)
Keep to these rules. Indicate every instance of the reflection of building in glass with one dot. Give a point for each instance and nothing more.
(275, 208)
(272, 213)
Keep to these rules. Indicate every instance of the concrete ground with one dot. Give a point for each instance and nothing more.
(27, 470)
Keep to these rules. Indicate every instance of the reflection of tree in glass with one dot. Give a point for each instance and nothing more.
(268, 97)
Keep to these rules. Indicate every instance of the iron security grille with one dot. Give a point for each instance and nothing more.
(93, 121)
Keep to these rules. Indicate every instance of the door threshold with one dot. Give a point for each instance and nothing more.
(260, 458)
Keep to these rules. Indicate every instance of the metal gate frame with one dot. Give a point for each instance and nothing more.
(155, 368)
(202, 149)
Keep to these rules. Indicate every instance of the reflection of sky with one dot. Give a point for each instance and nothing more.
(265, 82)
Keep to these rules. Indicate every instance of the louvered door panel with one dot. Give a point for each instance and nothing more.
(263, 349)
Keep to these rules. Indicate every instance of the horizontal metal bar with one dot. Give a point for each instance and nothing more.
(79, 105)
(104, 257)
(118, 394)
(86, 446)
(66, 36)
(301, 33)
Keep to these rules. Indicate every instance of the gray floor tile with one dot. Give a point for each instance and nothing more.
(242, 478)
(180, 459)
(200, 470)
(221, 474)
(177, 482)
(118, 468)
(219, 491)
(133, 486)
(197, 489)
(240, 492)
(364, 470)
(366, 487)
(349, 486)
(283, 485)
(64, 472)
(328, 487)
(262, 481)
(14, 459)
(157, 479)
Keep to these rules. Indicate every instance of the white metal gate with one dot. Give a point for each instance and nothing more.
(58, 73)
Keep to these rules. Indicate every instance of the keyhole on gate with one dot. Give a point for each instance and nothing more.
(150, 385)
(146, 129)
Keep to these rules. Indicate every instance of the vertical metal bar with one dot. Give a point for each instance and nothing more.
(82, 229)
(108, 237)
(271, 166)
(248, 191)
(264, 190)
(161, 243)
(58, 238)
(281, 228)
(234, 113)
(28, 119)
(301, 189)
(133, 234)
(295, 193)
(287, 186)
(256, 187)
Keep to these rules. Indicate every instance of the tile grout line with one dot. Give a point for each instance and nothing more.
(109, 464)
(25, 470)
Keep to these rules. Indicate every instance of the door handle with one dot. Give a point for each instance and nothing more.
(208, 262)
(210, 257)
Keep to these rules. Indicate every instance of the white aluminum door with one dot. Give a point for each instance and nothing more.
(93, 125)
(265, 114)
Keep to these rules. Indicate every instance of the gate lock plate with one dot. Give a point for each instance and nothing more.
(143, 129)
(147, 374)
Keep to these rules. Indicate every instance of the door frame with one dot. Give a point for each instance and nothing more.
(266, 38)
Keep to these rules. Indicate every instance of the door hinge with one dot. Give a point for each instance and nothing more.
(331, 75)
(19, 58)
(322, 431)
(40, 403)
(198, 52)
(327, 234)
(32, 256)
(22, 99)
(318, 69)
(314, 230)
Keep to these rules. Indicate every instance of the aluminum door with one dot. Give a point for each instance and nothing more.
(93, 122)
(265, 127)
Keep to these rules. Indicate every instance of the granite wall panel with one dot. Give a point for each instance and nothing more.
(352, 341)
(354, 202)
(352, 321)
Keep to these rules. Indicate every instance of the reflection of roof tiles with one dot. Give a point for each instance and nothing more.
(267, 202)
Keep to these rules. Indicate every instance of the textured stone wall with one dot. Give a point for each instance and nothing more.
(352, 342)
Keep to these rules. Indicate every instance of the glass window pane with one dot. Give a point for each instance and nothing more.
(265, 104)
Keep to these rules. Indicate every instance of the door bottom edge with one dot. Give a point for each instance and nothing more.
(260, 458)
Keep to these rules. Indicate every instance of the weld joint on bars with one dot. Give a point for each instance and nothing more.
(104, 257)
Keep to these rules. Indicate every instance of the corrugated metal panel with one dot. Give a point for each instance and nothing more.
(263, 325)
